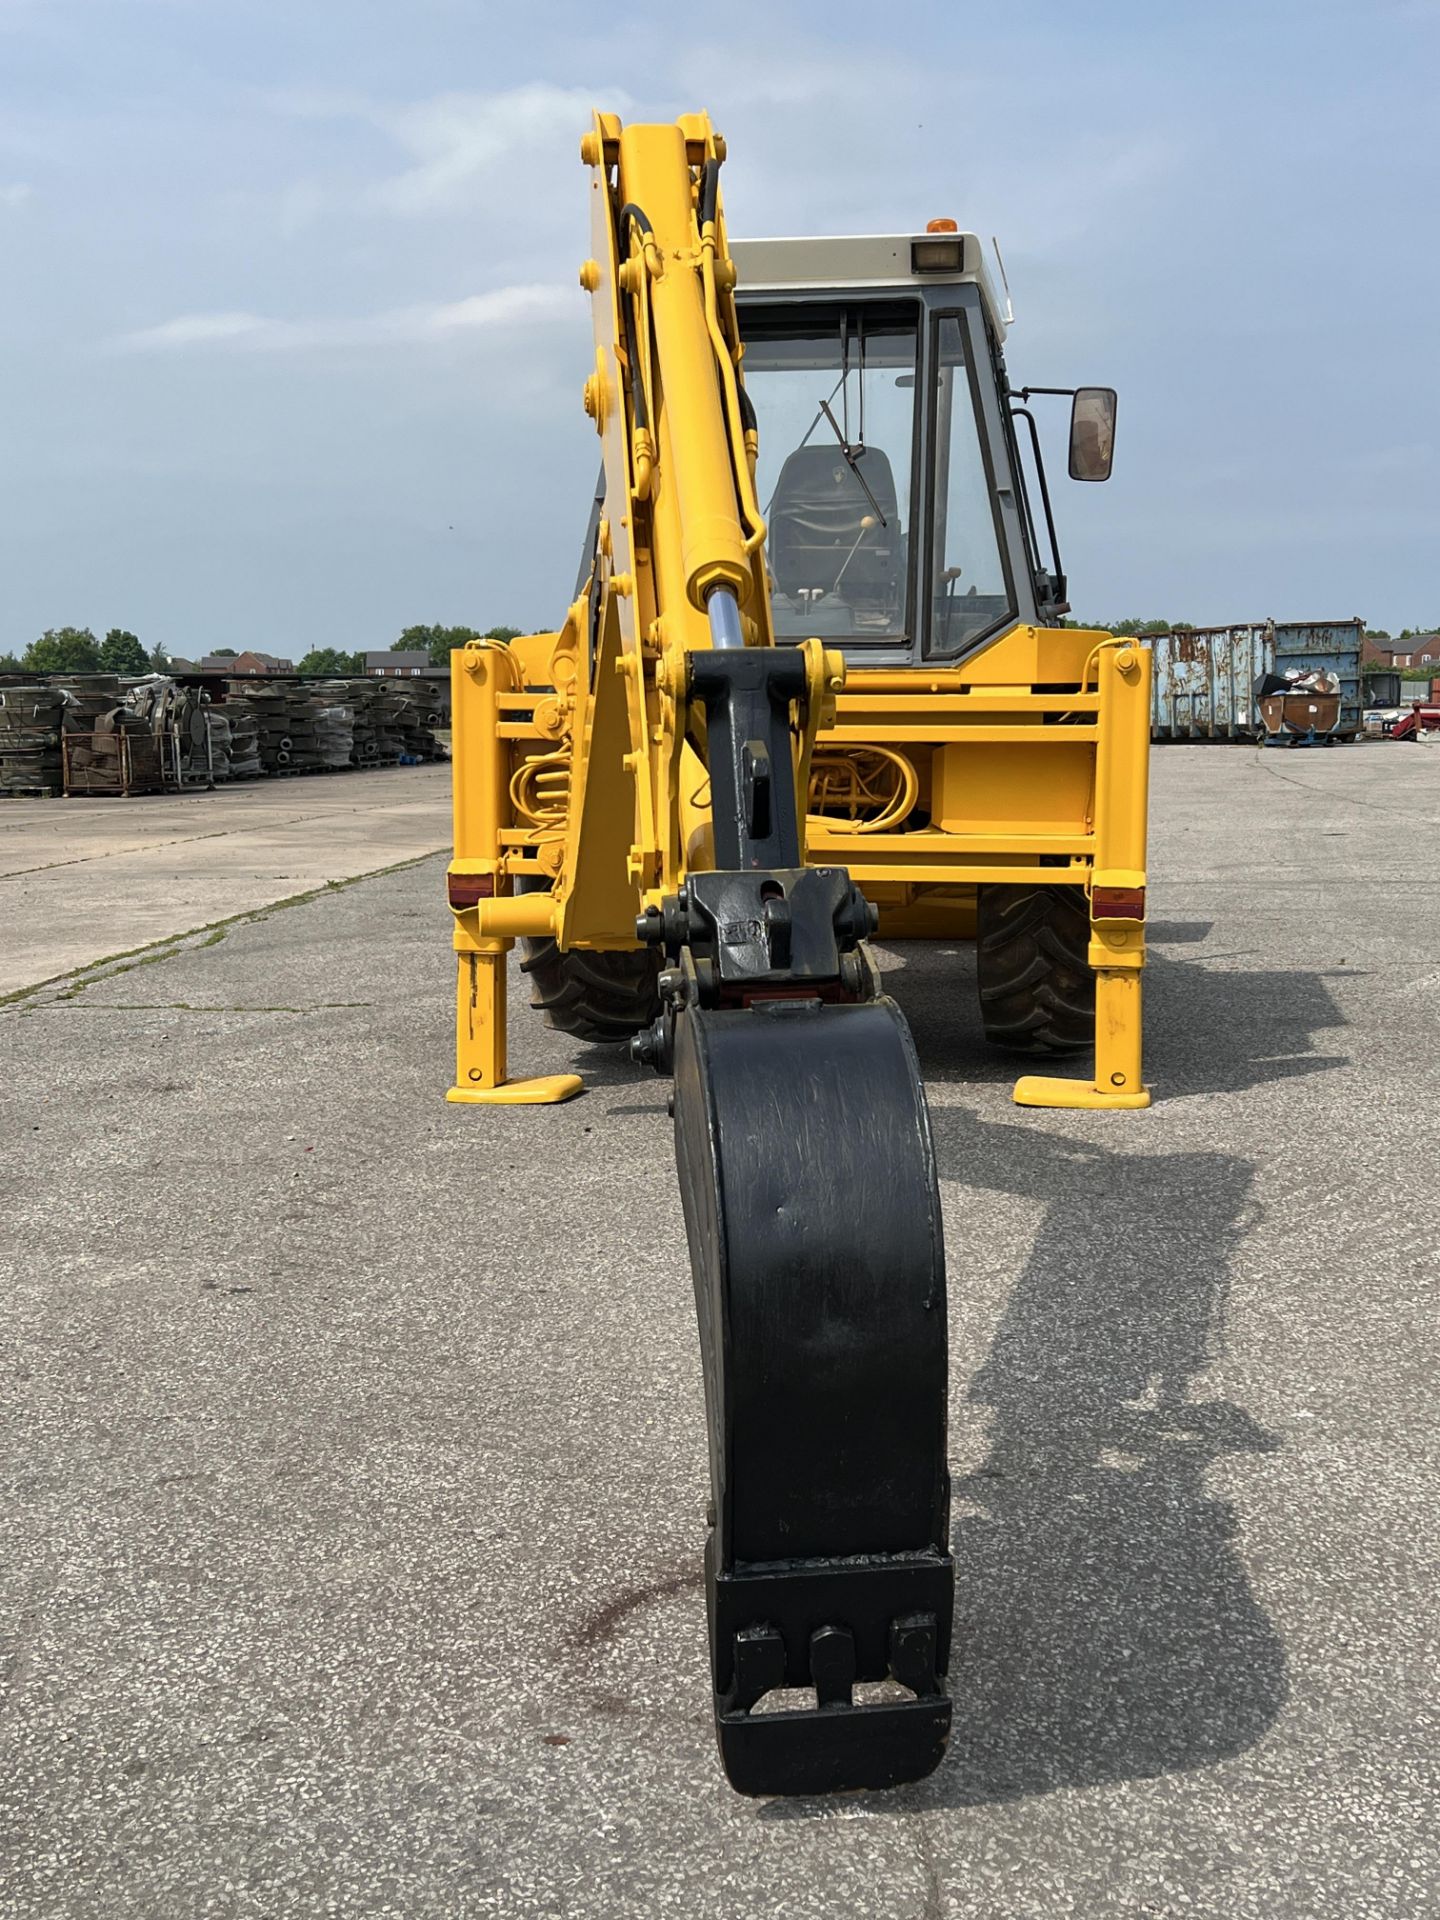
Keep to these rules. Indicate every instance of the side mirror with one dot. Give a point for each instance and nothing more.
(1092, 433)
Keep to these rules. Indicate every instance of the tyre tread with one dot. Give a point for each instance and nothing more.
(1037, 992)
(604, 997)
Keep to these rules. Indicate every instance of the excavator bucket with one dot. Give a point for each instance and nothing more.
(813, 1219)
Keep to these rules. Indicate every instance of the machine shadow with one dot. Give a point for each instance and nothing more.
(1208, 1028)
(1105, 1628)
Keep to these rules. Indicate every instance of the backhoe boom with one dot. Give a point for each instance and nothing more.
(747, 749)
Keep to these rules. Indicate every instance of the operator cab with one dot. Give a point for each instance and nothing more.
(899, 521)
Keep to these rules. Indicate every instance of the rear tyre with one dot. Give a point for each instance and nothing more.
(594, 996)
(1037, 993)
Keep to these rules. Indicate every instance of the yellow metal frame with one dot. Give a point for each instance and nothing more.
(1100, 722)
(478, 677)
(580, 780)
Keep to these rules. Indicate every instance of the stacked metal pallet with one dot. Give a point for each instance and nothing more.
(373, 742)
(353, 698)
(159, 731)
(298, 752)
(268, 708)
(294, 729)
(244, 740)
(423, 708)
(88, 696)
(334, 725)
(192, 750)
(30, 739)
(395, 719)
(106, 747)
(216, 723)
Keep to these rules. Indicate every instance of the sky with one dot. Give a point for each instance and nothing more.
(292, 346)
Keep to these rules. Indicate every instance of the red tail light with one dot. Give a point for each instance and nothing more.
(469, 889)
(1117, 903)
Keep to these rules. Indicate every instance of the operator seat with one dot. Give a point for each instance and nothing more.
(818, 536)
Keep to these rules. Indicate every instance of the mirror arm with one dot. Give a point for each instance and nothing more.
(1023, 413)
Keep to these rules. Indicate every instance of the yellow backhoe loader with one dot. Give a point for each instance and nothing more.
(813, 687)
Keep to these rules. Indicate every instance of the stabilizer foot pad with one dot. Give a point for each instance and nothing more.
(834, 1749)
(1039, 1090)
(545, 1091)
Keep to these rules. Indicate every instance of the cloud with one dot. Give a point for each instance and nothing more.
(462, 144)
(504, 307)
(801, 76)
(901, 161)
(460, 140)
(16, 194)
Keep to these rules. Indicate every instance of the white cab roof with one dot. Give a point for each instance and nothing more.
(858, 260)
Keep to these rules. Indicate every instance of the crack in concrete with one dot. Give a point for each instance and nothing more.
(186, 1006)
(934, 1907)
(116, 853)
(1327, 793)
(113, 965)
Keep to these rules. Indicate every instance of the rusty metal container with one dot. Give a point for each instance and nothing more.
(1203, 679)
(1324, 646)
(1304, 716)
(1204, 676)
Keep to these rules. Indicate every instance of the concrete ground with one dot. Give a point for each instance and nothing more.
(86, 878)
(355, 1457)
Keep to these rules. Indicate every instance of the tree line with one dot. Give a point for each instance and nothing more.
(1132, 629)
(437, 642)
(76, 650)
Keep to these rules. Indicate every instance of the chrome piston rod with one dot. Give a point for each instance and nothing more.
(726, 633)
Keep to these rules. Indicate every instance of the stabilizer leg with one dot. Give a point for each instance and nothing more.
(1117, 946)
(1117, 1081)
(480, 1017)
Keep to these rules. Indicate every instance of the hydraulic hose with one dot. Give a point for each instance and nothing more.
(737, 405)
(628, 213)
(637, 385)
(631, 212)
(709, 192)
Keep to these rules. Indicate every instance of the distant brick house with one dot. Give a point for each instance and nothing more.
(398, 661)
(249, 662)
(1416, 650)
